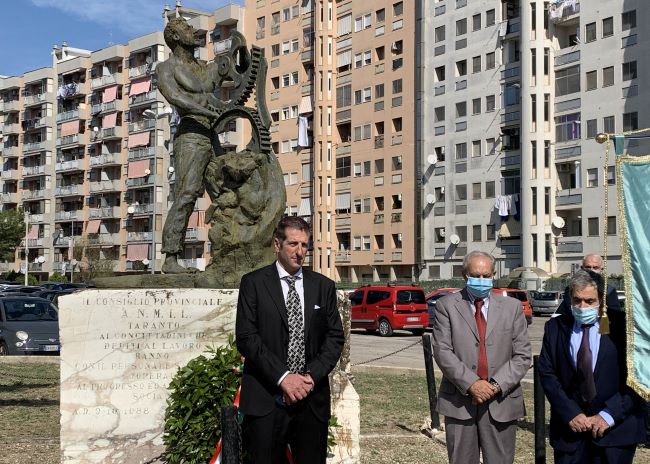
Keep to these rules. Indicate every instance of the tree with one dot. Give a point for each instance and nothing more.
(12, 231)
(93, 261)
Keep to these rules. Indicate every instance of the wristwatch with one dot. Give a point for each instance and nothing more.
(496, 385)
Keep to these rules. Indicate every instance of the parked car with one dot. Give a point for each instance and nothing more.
(28, 325)
(52, 294)
(522, 296)
(433, 297)
(387, 308)
(22, 289)
(545, 302)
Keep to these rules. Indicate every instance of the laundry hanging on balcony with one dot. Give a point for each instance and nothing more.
(303, 134)
(67, 90)
(507, 205)
(561, 8)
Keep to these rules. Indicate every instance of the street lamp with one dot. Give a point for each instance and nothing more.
(26, 247)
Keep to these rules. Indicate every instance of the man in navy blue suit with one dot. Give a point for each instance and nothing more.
(595, 416)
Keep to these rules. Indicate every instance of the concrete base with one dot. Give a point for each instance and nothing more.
(346, 408)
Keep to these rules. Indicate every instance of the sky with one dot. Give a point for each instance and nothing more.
(31, 27)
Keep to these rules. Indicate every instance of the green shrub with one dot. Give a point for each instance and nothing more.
(197, 393)
(57, 277)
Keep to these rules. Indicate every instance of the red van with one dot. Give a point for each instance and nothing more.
(522, 296)
(387, 308)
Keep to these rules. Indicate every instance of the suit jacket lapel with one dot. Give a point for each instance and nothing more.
(274, 288)
(493, 315)
(309, 287)
(566, 327)
(462, 306)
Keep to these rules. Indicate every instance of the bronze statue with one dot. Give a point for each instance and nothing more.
(246, 188)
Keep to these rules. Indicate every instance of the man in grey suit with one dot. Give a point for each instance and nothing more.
(481, 346)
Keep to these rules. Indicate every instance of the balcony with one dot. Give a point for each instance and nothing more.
(11, 128)
(143, 98)
(68, 215)
(139, 181)
(106, 186)
(144, 124)
(11, 105)
(105, 159)
(67, 115)
(34, 99)
(510, 161)
(196, 235)
(33, 146)
(69, 190)
(34, 170)
(103, 239)
(569, 245)
(104, 212)
(10, 151)
(139, 71)
(108, 79)
(36, 218)
(112, 133)
(67, 140)
(35, 267)
(567, 57)
(568, 197)
(35, 194)
(144, 152)
(139, 236)
(72, 165)
(141, 209)
(10, 174)
(344, 256)
(9, 197)
(511, 249)
(564, 12)
(115, 105)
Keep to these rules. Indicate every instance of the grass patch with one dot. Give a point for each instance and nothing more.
(395, 405)
(29, 413)
(393, 408)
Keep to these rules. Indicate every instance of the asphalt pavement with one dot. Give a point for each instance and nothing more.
(403, 350)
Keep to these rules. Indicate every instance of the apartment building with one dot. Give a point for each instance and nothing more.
(87, 152)
(515, 93)
(342, 94)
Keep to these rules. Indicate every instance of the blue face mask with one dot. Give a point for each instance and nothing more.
(585, 316)
(479, 287)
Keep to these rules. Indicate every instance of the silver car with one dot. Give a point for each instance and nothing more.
(545, 302)
(28, 325)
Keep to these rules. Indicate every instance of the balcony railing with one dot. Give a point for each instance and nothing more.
(34, 170)
(72, 165)
(143, 97)
(72, 114)
(68, 140)
(139, 70)
(10, 174)
(569, 245)
(111, 158)
(145, 152)
(140, 209)
(139, 181)
(67, 215)
(9, 197)
(103, 239)
(33, 146)
(139, 236)
(31, 99)
(144, 124)
(222, 46)
(106, 185)
(34, 218)
(106, 80)
(105, 212)
(344, 256)
(34, 194)
(68, 190)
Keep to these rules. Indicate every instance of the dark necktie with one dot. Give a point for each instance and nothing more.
(296, 351)
(481, 325)
(585, 372)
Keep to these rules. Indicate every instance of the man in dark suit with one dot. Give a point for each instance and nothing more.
(482, 348)
(594, 263)
(595, 416)
(289, 331)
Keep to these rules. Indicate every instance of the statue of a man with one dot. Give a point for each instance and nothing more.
(188, 85)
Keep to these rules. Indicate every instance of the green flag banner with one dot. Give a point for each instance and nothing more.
(632, 178)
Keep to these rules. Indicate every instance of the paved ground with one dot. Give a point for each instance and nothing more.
(366, 347)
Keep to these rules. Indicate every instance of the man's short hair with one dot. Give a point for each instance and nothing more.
(586, 278)
(291, 222)
(475, 254)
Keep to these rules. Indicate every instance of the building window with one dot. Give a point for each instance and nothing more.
(489, 189)
(533, 61)
(592, 80)
(461, 68)
(476, 233)
(592, 227)
(629, 70)
(489, 18)
(398, 9)
(590, 32)
(489, 103)
(476, 64)
(439, 114)
(439, 34)
(362, 22)
(440, 74)
(547, 60)
(611, 225)
(379, 91)
(533, 200)
(592, 177)
(608, 27)
(511, 96)
(628, 20)
(461, 231)
(397, 86)
(490, 232)
(461, 109)
(592, 128)
(461, 151)
(476, 191)
(630, 121)
(461, 192)
(533, 107)
(344, 96)
(396, 162)
(567, 81)
(461, 27)
(567, 127)
(608, 76)
(547, 200)
(476, 22)
(609, 124)
(476, 106)
(343, 167)
(476, 148)
(490, 60)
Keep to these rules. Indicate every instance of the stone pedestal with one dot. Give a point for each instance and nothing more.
(120, 349)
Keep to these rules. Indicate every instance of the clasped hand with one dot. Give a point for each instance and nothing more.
(596, 424)
(296, 387)
(482, 391)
